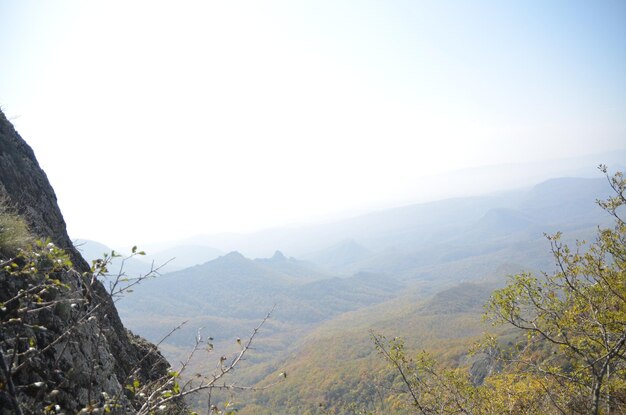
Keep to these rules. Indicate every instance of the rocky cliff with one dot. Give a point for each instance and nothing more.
(67, 351)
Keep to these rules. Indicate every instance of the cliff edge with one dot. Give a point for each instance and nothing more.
(74, 354)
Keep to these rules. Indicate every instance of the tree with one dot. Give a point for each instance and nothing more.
(581, 311)
(572, 356)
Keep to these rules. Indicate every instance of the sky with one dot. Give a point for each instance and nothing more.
(158, 120)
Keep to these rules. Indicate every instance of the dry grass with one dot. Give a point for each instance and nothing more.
(14, 233)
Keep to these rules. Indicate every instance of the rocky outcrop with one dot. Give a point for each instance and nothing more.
(25, 186)
(83, 355)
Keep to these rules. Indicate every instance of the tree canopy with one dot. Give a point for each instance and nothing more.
(570, 356)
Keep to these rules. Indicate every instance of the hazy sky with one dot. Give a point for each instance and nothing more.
(156, 120)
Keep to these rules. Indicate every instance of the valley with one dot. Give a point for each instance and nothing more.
(421, 271)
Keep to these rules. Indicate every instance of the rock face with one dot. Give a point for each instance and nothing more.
(81, 359)
(25, 186)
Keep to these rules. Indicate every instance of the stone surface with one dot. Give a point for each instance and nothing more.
(99, 355)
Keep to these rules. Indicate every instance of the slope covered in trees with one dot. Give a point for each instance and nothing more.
(570, 356)
(319, 330)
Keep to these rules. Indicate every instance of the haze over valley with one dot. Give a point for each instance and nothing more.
(423, 270)
(313, 207)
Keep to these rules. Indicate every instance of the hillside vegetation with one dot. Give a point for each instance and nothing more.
(393, 272)
(572, 355)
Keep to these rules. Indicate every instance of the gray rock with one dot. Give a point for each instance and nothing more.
(99, 355)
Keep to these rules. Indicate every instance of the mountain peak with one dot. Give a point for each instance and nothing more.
(279, 256)
(233, 256)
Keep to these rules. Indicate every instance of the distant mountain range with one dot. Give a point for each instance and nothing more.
(439, 242)
(227, 295)
(422, 270)
(169, 259)
(345, 246)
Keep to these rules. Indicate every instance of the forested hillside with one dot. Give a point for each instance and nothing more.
(423, 271)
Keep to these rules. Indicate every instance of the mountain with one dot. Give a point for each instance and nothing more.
(232, 293)
(434, 196)
(225, 286)
(237, 287)
(422, 270)
(76, 348)
(351, 244)
(410, 238)
(439, 310)
(374, 231)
